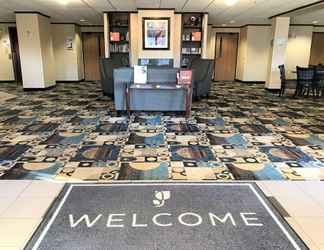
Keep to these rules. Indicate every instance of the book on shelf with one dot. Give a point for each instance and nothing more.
(196, 36)
(119, 48)
(191, 51)
(114, 36)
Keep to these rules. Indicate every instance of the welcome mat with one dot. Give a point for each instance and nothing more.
(167, 216)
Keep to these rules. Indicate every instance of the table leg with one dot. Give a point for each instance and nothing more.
(127, 100)
(188, 108)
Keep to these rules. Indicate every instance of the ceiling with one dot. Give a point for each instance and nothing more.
(244, 12)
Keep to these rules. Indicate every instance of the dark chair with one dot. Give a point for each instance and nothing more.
(107, 66)
(283, 80)
(305, 81)
(203, 70)
(319, 80)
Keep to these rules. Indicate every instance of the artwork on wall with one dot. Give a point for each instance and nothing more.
(69, 43)
(156, 33)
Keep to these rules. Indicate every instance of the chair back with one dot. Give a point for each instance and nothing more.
(319, 73)
(282, 73)
(305, 76)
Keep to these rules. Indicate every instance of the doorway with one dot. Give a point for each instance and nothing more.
(226, 50)
(93, 50)
(13, 36)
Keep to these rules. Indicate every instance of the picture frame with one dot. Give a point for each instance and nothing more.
(156, 33)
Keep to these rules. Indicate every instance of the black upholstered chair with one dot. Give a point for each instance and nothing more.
(305, 81)
(283, 80)
(319, 80)
(107, 66)
(203, 70)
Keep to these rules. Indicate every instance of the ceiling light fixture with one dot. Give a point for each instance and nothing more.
(231, 2)
(315, 22)
(63, 2)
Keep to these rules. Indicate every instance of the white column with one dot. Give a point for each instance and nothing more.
(280, 32)
(36, 50)
(204, 49)
(106, 34)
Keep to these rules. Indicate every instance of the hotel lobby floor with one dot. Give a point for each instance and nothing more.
(241, 132)
(24, 204)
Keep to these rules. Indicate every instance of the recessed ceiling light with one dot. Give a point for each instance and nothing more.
(231, 2)
(315, 22)
(63, 2)
(224, 24)
(232, 21)
(83, 20)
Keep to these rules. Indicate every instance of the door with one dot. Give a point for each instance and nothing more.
(226, 56)
(317, 51)
(15, 53)
(91, 54)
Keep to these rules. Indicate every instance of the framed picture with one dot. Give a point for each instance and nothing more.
(156, 33)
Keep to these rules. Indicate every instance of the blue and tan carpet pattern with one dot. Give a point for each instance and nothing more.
(240, 132)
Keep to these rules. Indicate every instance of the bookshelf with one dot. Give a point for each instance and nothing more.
(119, 38)
(192, 34)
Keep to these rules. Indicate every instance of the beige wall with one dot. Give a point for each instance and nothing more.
(6, 66)
(298, 48)
(69, 62)
(36, 51)
(137, 40)
(255, 45)
(134, 38)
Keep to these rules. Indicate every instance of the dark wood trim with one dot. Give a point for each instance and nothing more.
(32, 12)
(273, 91)
(143, 32)
(251, 24)
(239, 27)
(190, 12)
(39, 89)
(5, 81)
(7, 22)
(296, 9)
(121, 11)
(250, 82)
(70, 81)
(76, 24)
(226, 27)
(91, 26)
(162, 9)
(312, 25)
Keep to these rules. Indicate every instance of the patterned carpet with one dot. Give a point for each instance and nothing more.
(242, 132)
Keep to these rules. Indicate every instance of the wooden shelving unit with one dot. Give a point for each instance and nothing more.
(119, 23)
(191, 46)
